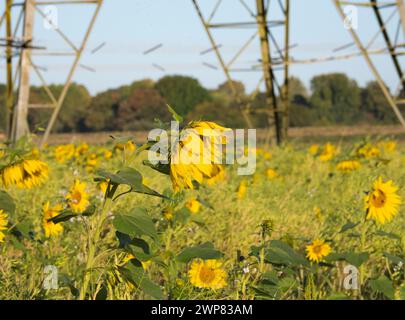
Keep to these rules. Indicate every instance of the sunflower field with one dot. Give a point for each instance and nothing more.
(315, 221)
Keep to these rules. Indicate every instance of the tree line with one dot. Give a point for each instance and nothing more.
(331, 99)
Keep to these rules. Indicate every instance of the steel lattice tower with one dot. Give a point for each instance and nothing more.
(270, 21)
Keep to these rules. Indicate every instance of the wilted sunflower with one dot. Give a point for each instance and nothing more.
(51, 229)
(383, 201)
(317, 250)
(3, 224)
(78, 197)
(195, 157)
(348, 165)
(207, 274)
(193, 205)
(25, 174)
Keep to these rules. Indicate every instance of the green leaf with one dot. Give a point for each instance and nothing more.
(160, 167)
(394, 259)
(384, 286)
(205, 251)
(139, 248)
(270, 277)
(348, 226)
(66, 215)
(130, 177)
(356, 259)
(6, 202)
(281, 253)
(137, 276)
(174, 114)
(387, 235)
(135, 223)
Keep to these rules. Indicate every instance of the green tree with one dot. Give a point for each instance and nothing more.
(335, 98)
(375, 105)
(72, 112)
(139, 111)
(102, 112)
(182, 93)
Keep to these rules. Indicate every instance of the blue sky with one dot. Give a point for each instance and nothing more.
(129, 27)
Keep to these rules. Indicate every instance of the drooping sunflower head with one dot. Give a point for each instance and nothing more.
(25, 174)
(196, 156)
(51, 229)
(207, 274)
(35, 173)
(318, 250)
(78, 198)
(382, 202)
(3, 224)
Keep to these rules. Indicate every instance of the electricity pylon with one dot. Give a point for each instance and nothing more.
(265, 22)
(19, 42)
(262, 20)
(392, 45)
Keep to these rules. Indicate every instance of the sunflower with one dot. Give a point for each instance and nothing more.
(207, 274)
(242, 188)
(193, 205)
(64, 152)
(348, 165)
(383, 201)
(317, 250)
(328, 152)
(217, 174)
(313, 149)
(107, 154)
(168, 213)
(191, 161)
(103, 185)
(271, 173)
(11, 175)
(78, 197)
(81, 150)
(26, 174)
(35, 173)
(368, 151)
(388, 146)
(51, 229)
(3, 224)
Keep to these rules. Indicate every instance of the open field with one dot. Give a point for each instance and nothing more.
(235, 237)
(301, 133)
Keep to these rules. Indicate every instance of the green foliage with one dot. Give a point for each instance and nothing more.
(204, 251)
(137, 222)
(183, 93)
(74, 107)
(336, 98)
